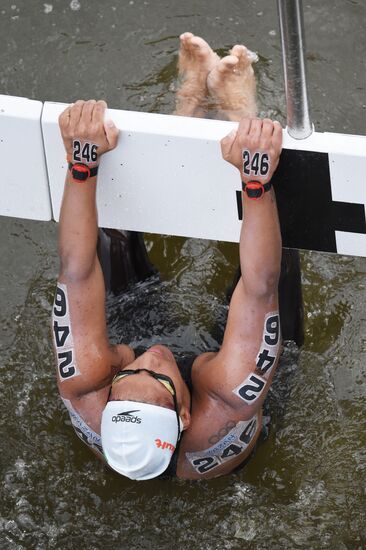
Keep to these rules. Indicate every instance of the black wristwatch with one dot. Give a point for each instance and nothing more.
(81, 172)
(255, 189)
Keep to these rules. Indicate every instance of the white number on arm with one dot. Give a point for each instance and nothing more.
(257, 164)
(84, 152)
(62, 335)
(230, 446)
(255, 383)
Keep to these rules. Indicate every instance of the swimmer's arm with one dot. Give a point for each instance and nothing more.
(226, 402)
(256, 294)
(260, 238)
(78, 227)
(260, 246)
(84, 357)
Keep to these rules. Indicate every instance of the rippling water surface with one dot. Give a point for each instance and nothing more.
(306, 486)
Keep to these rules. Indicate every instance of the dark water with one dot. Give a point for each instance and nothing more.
(306, 486)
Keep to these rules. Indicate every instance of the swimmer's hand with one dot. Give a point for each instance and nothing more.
(84, 122)
(254, 148)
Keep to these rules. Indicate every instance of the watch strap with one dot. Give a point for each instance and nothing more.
(82, 172)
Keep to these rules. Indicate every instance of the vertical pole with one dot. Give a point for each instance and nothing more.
(293, 49)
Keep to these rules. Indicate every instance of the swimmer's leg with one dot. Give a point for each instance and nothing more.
(232, 86)
(196, 61)
(124, 259)
(289, 296)
(123, 254)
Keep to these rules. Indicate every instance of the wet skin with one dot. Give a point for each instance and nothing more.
(148, 390)
(227, 84)
(213, 405)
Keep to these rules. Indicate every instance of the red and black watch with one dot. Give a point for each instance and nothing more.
(81, 172)
(255, 189)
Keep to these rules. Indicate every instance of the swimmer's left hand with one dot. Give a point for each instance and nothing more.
(84, 121)
(254, 136)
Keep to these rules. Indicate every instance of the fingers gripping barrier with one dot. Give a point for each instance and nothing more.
(167, 176)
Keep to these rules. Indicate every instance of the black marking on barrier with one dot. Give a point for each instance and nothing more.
(308, 215)
(349, 216)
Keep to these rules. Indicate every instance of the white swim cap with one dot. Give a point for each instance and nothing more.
(138, 439)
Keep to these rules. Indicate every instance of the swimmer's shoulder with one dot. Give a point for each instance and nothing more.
(203, 359)
(217, 443)
(85, 414)
(222, 434)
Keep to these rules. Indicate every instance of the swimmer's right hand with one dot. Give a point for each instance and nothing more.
(254, 136)
(84, 121)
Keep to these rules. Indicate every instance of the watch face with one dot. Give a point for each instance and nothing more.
(80, 172)
(254, 190)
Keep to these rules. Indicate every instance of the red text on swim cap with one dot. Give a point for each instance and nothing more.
(164, 445)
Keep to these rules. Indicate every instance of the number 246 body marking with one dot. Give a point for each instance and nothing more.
(258, 164)
(87, 152)
(205, 463)
(61, 334)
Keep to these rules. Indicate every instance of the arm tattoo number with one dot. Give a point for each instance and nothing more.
(249, 392)
(88, 153)
(62, 336)
(231, 450)
(59, 308)
(258, 165)
(65, 367)
(247, 434)
(251, 388)
(265, 361)
(205, 463)
(262, 359)
(61, 333)
(273, 330)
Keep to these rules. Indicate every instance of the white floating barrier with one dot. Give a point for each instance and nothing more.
(167, 176)
(24, 181)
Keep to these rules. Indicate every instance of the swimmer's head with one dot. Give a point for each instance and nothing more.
(147, 410)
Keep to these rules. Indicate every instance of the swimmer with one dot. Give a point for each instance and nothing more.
(137, 414)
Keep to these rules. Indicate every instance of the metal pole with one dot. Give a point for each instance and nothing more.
(293, 49)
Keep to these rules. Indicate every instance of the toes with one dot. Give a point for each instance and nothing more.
(199, 46)
(185, 35)
(245, 56)
(227, 63)
(238, 50)
(196, 59)
(184, 38)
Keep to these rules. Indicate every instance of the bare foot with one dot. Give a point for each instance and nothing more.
(196, 61)
(232, 85)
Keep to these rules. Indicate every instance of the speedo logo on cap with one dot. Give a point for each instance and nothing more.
(127, 416)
